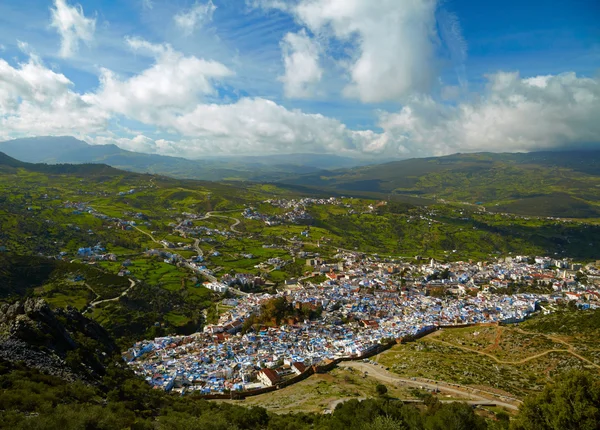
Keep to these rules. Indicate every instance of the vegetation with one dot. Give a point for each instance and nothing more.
(32, 400)
(520, 359)
(538, 184)
(274, 311)
(35, 401)
(572, 402)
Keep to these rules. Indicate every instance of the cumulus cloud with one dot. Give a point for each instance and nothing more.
(72, 26)
(173, 85)
(393, 41)
(255, 125)
(199, 14)
(514, 114)
(35, 100)
(301, 60)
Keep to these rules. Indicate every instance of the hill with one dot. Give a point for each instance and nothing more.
(10, 164)
(55, 150)
(563, 184)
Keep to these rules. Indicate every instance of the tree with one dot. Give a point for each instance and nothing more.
(454, 416)
(572, 402)
(581, 277)
(384, 423)
(381, 389)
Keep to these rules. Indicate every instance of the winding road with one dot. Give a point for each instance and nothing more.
(232, 227)
(97, 302)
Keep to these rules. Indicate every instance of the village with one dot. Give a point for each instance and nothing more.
(363, 304)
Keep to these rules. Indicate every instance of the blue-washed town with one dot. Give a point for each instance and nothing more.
(363, 303)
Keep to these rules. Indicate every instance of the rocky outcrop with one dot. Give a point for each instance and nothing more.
(60, 342)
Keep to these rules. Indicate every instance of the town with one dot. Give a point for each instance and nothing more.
(363, 304)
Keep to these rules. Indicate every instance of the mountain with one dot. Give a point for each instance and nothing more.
(540, 183)
(9, 163)
(54, 150)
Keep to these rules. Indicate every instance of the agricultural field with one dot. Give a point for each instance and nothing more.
(54, 211)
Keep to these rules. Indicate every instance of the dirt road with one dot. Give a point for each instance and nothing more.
(476, 396)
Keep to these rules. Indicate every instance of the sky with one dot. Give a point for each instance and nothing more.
(373, 79)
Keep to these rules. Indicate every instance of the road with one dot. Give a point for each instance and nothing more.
(232, 227)
(203, 272)
(197, 247)
(96, 302)
(477, 396)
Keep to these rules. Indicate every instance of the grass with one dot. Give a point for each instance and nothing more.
(319, 392)
(514, 359)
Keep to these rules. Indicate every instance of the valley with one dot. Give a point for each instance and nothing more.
(167, 265)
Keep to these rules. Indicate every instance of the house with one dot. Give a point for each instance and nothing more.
(84, 252)
(268, 377)
(298, 368)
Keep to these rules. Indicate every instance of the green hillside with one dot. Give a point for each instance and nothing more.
(49, 212)
(544, 183)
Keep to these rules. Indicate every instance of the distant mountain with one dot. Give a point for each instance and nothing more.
(540, 183)
(54, 150)
(87, 169)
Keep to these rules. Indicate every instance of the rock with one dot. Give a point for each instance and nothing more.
(62, 343)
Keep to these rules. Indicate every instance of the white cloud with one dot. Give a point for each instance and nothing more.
(394, 42)
(301, 60)
(173, 85)
(257, 125)
(147, 4)
(194, 17)
(451, 33)
(514, 114)
(72, 25)
(34, 100)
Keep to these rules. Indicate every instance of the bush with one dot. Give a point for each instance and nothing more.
(381, 389)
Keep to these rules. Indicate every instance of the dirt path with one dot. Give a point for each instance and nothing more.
(114, 299)
(147, 234)
(477, 396)
(92, 290)
(332, 405)
(522, 361)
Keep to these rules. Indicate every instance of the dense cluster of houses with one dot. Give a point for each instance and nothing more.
(296, 210)
(297, 215)
(363, 303)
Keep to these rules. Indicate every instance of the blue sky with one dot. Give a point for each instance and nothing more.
(393, 78)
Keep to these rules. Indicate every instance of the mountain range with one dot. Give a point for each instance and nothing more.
(562, 183)
(53, 150)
